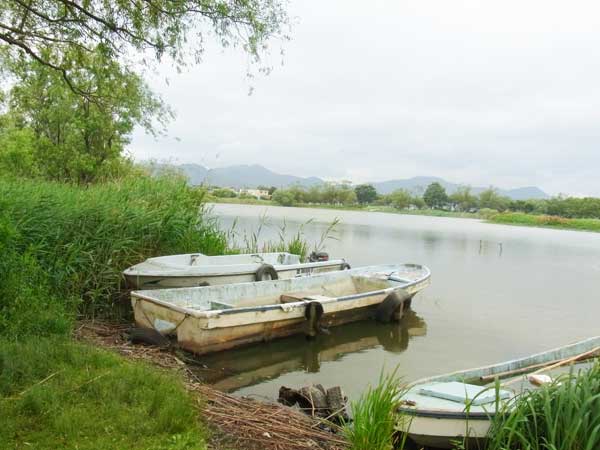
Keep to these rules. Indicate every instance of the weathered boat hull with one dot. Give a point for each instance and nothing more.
(440, 427)
(141, 281)
(195, 269)
(209, 331)
(446, 432)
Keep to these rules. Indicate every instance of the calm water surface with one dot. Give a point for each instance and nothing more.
(497, 292)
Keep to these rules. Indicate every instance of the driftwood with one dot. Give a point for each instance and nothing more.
(269, 426)
(315, 401)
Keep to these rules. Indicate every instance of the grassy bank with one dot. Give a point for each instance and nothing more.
(59, 394)
(531, 220)
(63, 249)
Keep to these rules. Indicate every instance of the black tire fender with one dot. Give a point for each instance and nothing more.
(148, 336)
(346, 266)
(265, 269)
(391, 307)
(313, 313)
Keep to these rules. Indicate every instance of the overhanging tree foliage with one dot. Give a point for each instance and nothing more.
(66, 136)
(122, 28)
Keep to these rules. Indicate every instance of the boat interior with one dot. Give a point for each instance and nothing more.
(323, 289)
(480, 394)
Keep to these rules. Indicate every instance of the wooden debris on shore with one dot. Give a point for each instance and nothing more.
(316, 401)
(269, 426)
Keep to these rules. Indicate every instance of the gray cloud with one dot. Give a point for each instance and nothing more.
(503, 93)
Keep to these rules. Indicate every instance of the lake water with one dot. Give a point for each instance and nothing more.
(497, 292)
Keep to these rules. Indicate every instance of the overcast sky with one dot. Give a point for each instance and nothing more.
(503, 93)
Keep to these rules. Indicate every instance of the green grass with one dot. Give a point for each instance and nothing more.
(374, 416)
(56, 394)
(84, 237)
(562, 416)
(532, 220)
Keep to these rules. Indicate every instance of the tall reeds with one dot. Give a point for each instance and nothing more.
(252, 241)
(564, 415)
(82, 238)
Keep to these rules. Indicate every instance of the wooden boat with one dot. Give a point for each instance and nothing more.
(196, 269)
(443, 410)
(214, 318)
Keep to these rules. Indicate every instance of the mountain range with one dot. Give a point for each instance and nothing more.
(251, 176)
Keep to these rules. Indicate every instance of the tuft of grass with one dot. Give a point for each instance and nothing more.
(59, 394)
(251, 242)
(375, 415)
(564, 415)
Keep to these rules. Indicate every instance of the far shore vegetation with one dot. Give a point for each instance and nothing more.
(558, 212)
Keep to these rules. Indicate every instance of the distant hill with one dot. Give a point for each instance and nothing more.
(419, 184)
(243, 176)
(250, 176)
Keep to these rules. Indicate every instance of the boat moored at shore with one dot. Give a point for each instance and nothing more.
(196, 269)
(443, 410)
(214, 318)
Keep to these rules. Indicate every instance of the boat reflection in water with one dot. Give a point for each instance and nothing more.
(235, 369)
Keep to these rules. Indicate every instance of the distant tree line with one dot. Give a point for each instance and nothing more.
(435, 196)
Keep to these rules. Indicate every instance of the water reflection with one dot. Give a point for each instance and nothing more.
(249, 366)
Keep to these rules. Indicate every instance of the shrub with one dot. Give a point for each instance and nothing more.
(487, 213)
(284, 197)
(223, 193)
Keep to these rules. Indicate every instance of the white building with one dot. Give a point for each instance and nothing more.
(258, 193)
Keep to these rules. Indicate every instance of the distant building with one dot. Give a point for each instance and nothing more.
(339, 182)
(258, 193)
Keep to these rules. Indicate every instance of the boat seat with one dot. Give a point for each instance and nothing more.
(303, 297)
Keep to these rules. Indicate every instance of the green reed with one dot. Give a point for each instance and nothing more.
(564, 415)
(83, 237)
(252, 241)
(375, 415)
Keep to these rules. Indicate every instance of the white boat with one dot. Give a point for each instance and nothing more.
(196, 269)
(443, 410)
(214, 318)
